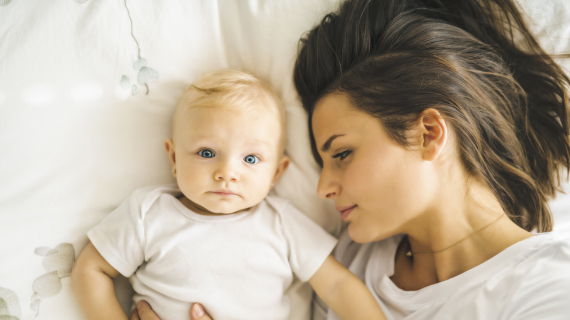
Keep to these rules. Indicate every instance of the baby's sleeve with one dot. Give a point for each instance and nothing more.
(119, 238)
(309, 244)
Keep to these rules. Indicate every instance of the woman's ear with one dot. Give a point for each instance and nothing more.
(169, 145)
(433, 134)
(281, 167)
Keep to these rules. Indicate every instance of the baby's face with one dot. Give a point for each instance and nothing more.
(226, 160)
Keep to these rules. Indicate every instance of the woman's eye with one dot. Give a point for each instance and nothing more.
(251, 159)
(342, 155)
(206, 153)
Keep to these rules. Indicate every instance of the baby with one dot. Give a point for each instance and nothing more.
(217, 237)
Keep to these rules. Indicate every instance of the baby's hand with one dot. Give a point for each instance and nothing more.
(144, 312)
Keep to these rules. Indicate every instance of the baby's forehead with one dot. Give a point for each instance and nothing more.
(257, 123)
(252, 113)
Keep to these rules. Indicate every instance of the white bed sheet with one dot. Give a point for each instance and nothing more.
(75, 141)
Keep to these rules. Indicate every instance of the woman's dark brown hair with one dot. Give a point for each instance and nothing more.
(476, 62)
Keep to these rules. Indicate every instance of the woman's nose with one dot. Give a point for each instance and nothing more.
(328, 187)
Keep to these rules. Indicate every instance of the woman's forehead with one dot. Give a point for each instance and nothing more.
(335, 114)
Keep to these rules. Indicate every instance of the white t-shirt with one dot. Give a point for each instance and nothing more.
(238, 266)
(529, 280)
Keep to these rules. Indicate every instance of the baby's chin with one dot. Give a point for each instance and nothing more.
(225, 209)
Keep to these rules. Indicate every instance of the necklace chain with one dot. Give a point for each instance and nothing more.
(411, 253)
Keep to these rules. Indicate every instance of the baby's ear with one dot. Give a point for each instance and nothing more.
(281, 167)
(169, 146)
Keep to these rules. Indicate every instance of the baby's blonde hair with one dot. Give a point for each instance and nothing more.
(233, 89)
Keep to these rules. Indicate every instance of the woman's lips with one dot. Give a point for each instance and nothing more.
(345, 211)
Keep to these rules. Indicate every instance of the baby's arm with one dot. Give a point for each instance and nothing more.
(92, 282)
(344, 293)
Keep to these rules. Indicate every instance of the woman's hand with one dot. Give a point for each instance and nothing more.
(143, 311)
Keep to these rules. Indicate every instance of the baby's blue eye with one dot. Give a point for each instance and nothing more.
(206, 153)
(251, 159)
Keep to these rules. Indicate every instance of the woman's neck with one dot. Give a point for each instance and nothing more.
(459, 232)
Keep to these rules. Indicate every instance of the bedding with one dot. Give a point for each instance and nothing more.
(87, 91)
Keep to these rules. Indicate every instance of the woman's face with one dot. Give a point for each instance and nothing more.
(378, 186)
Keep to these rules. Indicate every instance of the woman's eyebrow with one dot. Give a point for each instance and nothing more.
(327, 144)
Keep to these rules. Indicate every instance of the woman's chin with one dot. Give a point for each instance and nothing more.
(365, 234)
(358, 234)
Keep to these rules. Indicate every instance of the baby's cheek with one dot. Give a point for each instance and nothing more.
(257, 191)
(192, 185)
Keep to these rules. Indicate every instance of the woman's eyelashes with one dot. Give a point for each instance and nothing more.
(341, 155)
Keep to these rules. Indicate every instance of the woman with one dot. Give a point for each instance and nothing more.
(440, 140)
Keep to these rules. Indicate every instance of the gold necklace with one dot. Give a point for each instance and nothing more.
(410, 253)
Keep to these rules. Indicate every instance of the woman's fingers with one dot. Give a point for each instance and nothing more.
(197, 312)
(135, 314)
(145, 312)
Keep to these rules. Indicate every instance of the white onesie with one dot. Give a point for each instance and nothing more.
(238, 266)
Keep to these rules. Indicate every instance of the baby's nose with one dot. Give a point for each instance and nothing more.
(227, 172)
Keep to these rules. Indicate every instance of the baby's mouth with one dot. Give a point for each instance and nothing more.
(224, 193)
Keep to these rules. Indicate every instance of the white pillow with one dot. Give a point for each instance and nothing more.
(76, 142)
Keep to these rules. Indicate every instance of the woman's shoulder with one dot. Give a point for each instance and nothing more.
(560, 234)
(550, 255)
(554, 246)
(540, 261)
(538, 283)
(542, 266)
